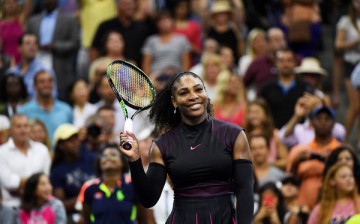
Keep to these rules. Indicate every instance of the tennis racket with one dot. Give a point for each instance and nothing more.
(132, 88)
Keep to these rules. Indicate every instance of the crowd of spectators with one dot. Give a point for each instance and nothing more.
(60, 120)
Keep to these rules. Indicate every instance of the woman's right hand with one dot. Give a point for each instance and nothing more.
(133, 154)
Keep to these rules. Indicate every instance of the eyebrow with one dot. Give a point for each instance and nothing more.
(194, 86)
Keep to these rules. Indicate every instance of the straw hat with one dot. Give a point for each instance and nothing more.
(310, 65)
(220, 6)
(64, 132)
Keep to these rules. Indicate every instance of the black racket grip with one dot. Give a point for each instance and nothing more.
(126, 145)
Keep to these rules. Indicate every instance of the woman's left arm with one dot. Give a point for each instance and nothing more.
(243, 179)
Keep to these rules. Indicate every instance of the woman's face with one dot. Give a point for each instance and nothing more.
(346, 157)
(221, 17)
(181, 10)
(165, 24)
(80, 93)
(13, 87)
(227, 57)
(71, 146)
(38, 133)
(343, 180)
(259, 44)
(269, 199)
(43, 189)
(110, 160)
(259, 150)
(356, 4)
(234, 85)
(115, 43)
(256, 115)
(289, 190)
(11, 7)
(190, 98)
(212, 70)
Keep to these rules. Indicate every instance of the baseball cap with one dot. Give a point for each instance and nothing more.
(321, 109)
(290, 179)
(64, 131)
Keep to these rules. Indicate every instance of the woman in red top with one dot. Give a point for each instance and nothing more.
(190, 29)
(230, 100)
(12, 26)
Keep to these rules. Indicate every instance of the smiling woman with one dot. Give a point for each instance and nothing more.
(110, 198)
(207, 160)
(37, 203)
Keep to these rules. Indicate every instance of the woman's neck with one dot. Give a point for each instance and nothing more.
(261, 166)
(40, 202)
(290, 202)
(342, 196)
(111, 178)
(221, 27)
(194, 120)
(80, 105)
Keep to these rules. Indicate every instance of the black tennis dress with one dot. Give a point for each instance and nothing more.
(199, 161)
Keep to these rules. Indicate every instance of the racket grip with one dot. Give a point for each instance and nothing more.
(128, 126)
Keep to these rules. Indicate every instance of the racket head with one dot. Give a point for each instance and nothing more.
(131, 84)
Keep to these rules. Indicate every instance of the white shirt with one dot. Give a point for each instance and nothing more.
(164, 206)
(140, 121)
(14, 165)
(80, 116)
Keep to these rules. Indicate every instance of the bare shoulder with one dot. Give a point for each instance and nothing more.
(155, 154)
(241, 147)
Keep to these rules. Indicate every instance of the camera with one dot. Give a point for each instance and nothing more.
(93, 130)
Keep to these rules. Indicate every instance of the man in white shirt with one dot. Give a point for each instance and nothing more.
(20, 157)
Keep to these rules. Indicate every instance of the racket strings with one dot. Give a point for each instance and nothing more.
(132, 86)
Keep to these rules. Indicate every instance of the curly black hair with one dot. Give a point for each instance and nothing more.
(162, 111)
(4, 96)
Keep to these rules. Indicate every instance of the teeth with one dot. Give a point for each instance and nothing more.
(195, 106)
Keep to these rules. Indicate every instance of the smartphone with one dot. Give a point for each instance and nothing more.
(268, 200)
(317, 156)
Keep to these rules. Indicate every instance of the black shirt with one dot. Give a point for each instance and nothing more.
(200, 155)
(134, 37)
(282, 103)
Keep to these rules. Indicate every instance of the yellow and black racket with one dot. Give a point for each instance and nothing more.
(133, 88)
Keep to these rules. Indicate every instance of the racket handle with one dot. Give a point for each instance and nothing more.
(128, 126)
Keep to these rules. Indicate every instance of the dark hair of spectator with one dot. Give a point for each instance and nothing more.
(179, 2)
(105, 107)
(105, 39)
(333, 157)
(123, 158)
(29, 198)
(70, 90)
(21, 38)
(281, 208)
(3, 87)
(162, 111)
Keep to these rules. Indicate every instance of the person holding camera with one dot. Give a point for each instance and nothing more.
(272, 208)
(306, 161)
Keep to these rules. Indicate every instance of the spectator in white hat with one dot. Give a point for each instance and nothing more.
(311, 72)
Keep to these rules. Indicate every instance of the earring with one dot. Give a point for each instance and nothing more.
(175, 110)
